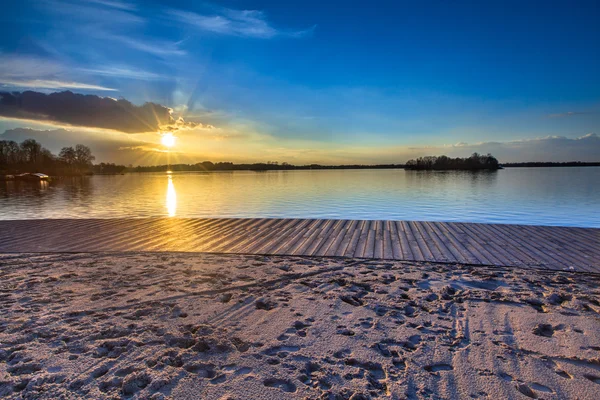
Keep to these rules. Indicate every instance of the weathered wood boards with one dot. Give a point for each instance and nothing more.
(490, 244)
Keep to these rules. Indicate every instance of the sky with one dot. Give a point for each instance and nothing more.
(329, 82)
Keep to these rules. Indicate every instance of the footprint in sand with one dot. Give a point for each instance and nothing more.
(438, 367)
(283, 384)
(529, 390)
(526, 390)
(202, 370)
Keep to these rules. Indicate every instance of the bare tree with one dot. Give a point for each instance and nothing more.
(31, 150)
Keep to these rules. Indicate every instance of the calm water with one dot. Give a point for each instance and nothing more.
(543, 196)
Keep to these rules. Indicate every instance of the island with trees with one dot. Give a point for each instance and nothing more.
(476, 162)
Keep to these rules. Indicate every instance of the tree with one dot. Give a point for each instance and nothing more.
(67, 155)
(9, 152)
(31, 150)
(83, 156)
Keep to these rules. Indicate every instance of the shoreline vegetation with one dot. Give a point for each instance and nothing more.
(31, 157)
(443, 163)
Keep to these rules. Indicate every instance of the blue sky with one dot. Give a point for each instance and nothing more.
(317, 81)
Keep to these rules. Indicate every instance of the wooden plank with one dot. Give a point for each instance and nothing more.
(566, 238)
(464, 239)
(463, 254)
(296, 239)
(543, 245)
(412, 242)
(337, 242)
(247, 240)
(310, 236)
(107, 234)
(378, 248)
(362, 239)
(586, 238)
(405, 247)
(425, 250)
(228, 236)
(283, 232)
(306, 234)
(519, 243)
(506, 246)
(493, 254)
(286, 238)
(449, 252)
(567, 255)
(233, 238)
(370, 242)
(348, 245)
(334, 239)
(264, 236)
(320, 237)
(432, 242)
(395, 241)
(388, 251)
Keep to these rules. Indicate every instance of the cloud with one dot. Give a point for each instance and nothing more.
(549, 148)
(122, 72)
(91, 111)
(21, 71)
(50, 84)
(106, 13)
(121, 5)
(226, 21)
(159, 48)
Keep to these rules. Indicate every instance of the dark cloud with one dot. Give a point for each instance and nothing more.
(90, 111)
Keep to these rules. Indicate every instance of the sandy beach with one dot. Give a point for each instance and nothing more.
(203, 326)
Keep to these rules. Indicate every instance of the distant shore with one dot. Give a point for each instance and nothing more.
(4, 176)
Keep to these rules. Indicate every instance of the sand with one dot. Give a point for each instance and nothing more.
(202, 326)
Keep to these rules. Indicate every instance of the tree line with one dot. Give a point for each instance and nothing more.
(474, 162)
(268, 166)
(31, 156)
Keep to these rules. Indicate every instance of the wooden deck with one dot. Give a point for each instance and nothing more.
(484, 244)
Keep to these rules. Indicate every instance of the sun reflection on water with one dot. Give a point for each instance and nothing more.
(171, 198)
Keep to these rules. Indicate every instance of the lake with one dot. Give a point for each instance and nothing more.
(535, 196)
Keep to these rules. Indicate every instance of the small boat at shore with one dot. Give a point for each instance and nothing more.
(32, 177)
(7, 178)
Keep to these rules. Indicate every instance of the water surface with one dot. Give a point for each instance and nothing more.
(537, 196)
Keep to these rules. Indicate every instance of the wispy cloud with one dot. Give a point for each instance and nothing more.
(227, 21)
(50, 84)
(101, 12)
(156, 47)
(17, 71)
(15, 66)
(121, 5)
(121, 72)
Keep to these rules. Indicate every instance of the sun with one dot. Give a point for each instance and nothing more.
(168, 139)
